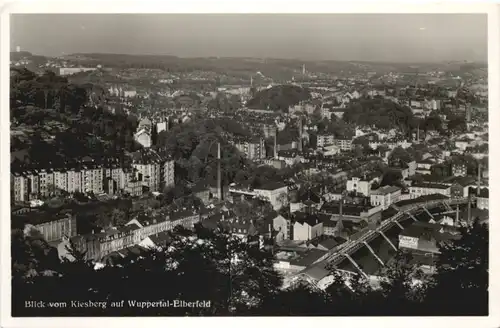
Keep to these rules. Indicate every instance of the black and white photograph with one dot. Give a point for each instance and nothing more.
(245, 164)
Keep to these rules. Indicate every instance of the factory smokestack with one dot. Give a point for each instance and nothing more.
(219, 176)
(300, 135)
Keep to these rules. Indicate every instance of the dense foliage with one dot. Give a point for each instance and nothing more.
(381, 113)
(54, 120)
(194, 148)
(279, 98)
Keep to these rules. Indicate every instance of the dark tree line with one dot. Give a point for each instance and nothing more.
(279, 98)
(239, 279)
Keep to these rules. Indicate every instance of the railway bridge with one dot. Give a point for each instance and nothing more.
(363, 238)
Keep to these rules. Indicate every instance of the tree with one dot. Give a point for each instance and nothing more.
(403, 288)
(391, 178)
(399, 155)
(457, 123)
(119, 217)
(460, 286)
(236, 277)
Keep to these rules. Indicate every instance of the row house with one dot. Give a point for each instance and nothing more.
(98, 245)
(424, 189)
(32, 184)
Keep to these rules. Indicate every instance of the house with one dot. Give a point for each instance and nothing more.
(326, 243)
(362, 185)
(325, 139)
(298, 259)
(344, 143)
(52, 228)
(462, 143)
(143, 137)
(338, 112)
(307, 226)
(424, 166)
(318, 275)
(424, 189)
(385, 196)
(459, 169)
(350, 212)
(281, 226)
(156, 241)
(482, 198)
(425, 237)
(275, 193)
(290, 157)
(202, 192)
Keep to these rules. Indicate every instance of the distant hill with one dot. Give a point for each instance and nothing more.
(279, 97)
(381, 113)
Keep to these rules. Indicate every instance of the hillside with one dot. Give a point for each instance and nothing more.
(54, 122)
(383, 114)
(279, 97)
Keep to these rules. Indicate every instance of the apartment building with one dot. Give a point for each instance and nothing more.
(385, 196)
(252, 149)
(148, 163)
(424, 189)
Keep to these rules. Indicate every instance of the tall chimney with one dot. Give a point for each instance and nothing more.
(219, 177)
(300, 135)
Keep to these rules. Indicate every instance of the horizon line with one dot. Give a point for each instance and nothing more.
(484, 62)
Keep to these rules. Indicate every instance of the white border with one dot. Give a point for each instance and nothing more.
(252, 6)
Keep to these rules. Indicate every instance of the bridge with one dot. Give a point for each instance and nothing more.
(366, 235)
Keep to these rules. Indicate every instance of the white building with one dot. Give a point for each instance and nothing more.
(169, 173)
(424, 189)
(307, 229)
(361, 186)
(325, 140)
(276, 193)
(161, 126)
(385, 196)
(143, 137)
(130, 93)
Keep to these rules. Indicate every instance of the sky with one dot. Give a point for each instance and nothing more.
(363, 37)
